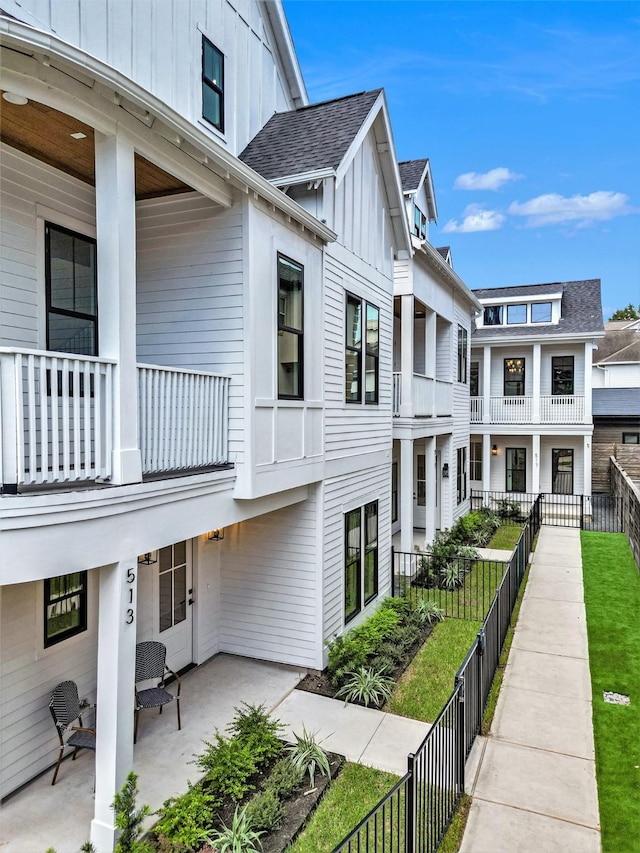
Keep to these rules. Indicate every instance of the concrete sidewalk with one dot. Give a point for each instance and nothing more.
(533, 779)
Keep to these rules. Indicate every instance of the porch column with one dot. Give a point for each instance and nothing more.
(535, 408)
(430, 356)
(115, 694)
(406, 495)
(116, 233)
(431, 474)
(586, 490)
(406, 355)
(447, 491)
(487, 462)
(588, 367)
(486, 384)
(535, 463)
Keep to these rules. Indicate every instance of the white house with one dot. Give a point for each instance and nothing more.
(531, 360)
(433, 310)
(195, 357)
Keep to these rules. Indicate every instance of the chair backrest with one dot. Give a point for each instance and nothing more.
(64, 703)
(150, 660)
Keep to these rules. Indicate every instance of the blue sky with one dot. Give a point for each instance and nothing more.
(529, 112)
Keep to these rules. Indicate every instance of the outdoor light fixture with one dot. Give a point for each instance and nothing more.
(13, 98)
(445, 470)
(147, 559)
(216, 535)
(494, 450)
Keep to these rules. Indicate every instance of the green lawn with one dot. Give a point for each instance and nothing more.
(350, 797)
(506, 537)
(471, 600)
(428, 681)
(612, 600)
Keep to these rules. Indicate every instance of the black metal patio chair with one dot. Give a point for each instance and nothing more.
(65, 708)
(151, 657)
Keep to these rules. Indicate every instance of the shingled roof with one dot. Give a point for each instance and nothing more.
(616, 401)
(581, 311)
(411, 173)
(310, 138)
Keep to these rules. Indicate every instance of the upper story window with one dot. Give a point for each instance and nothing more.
(474, 379)
(461, 474)
(541, 312)
(212, 84)
(562, 374)
(493, 315)
(65, 607)
(71, 291)
(290, 329)
(462, 354)
(514, 377)
(516, 314)
(419, 223)
(357, 311)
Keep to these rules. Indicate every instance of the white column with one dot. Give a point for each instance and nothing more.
(431, 474)
(406, 355)
(486, 384)
(587, 465)
(406, 495)
(447, 492)
(487, 462)
(535, 463)
(588, 368)
(430, 346)
(116, 233)
(535, 409)
(115, 693)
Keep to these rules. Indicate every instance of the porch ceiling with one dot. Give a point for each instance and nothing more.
(45, 133)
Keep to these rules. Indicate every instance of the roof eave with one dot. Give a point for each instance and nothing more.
(435, 259)
(586, 336)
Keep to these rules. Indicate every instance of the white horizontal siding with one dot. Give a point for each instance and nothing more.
(546, 355)
(498, 357)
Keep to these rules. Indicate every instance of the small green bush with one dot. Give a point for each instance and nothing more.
(265, 811)
(229, 764)
(285, 779)
(128, 819)
(384, 664)
(406, 636)
(366, 686)
(253, 725)
(429, 612)
(391, 649)
(452, 574)
(307, 755)
(351, 651)
(187, 820)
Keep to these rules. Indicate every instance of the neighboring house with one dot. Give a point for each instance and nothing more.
(431, 338)
(531, 367)
(196, 357)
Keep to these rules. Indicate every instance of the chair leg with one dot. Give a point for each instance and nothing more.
(55, 775)
(178, 710)
(75, 752)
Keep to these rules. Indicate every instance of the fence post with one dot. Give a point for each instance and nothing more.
(394, 594)
(581, 512)
(410, 806)
(460, 733)
(482, 643)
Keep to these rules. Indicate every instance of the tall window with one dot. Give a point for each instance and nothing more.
(462, 354)
(419, 223)
(290, 330)
(474, 379)
(394, 491)
(65, 607)
(562, 471)
(212, 84)
(475, 460)
(71, 291)
(461, 474)
(356, 310)
(361, 558)
(421, 479)
(562, 374)
(516, 460)
(514, 377)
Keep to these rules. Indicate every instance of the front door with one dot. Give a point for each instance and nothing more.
(173, 597)
(419, 490)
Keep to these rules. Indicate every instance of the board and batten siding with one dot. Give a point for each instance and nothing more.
(190, 293)
(31, 191)
(341, 494)
(270, 579)
(29, 672)
(159, 46)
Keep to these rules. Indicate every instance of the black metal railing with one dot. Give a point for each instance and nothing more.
(588, 512)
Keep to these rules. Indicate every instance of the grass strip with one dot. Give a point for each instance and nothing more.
(612, 602)
(428, 681)
(453, 836)
(506, 537)
(350, 798)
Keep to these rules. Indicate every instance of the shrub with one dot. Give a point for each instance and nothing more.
(307, 755)
(187, 819)
(508, 509)
(285, 779)
(265, 811)
(229, 764)
(253, 725)
(240, 837)
(351, 650)
(128, 819)
(406, 636)
(391, 649)
(366, 686)
(384, 663)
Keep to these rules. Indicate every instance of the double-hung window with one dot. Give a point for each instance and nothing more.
(362, 337)
(361, 558)
(461, 474)
(65, 607)
(514, 377)
(562, 374)
(290, 329)
(462, 354)
(212, 84)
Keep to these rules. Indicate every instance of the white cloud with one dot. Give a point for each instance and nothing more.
(581, 210)
(491, 180)
(475, 219)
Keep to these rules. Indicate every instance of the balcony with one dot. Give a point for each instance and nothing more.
(56, 412)
(556, 409)
(429, 397)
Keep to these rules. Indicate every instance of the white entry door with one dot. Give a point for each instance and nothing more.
(173, 599)
(419, 489)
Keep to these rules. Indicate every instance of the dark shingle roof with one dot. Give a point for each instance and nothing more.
(443, 250)
(581, 311)
(616, 401)
(309, 138)
(629, 353)
(411, 172)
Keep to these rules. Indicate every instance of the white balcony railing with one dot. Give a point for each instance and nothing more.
(443, 398)
(182, 418)
(430, 397)
(56, 414)
(557, 409)
(423, 391)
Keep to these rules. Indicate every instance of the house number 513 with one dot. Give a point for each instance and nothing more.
(131, 576)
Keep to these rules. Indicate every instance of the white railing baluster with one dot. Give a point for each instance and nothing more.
(31, 473)
(44, 419)
(55, 422)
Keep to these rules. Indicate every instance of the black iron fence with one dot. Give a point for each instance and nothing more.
(587, 512)
(414, 816)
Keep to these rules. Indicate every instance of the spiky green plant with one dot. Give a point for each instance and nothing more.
(240, 837)
(307, 755)
(366, 685)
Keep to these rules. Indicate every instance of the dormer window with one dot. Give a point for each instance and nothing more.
(419, 223)
(493, 315)
(541, 312)
(212, 84)
(516, 314)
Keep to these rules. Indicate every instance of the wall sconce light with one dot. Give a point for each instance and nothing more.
(147, 559)
(494, 450)
(216, 535)
(445, 471)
